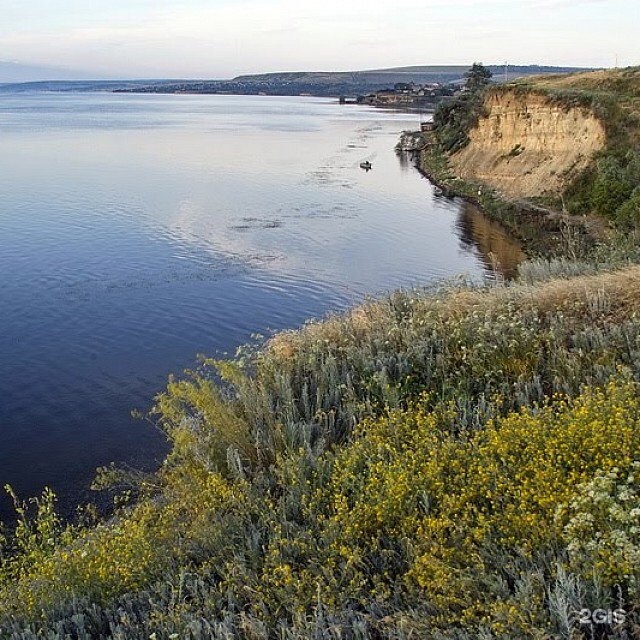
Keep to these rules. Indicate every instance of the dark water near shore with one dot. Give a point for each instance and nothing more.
(139, 231)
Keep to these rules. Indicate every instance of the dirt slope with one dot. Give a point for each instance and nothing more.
(528, 144)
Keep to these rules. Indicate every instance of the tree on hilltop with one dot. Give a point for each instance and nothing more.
(455, 118)
(478, 77)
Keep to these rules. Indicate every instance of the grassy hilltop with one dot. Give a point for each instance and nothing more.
(621, 84)
(455, 463)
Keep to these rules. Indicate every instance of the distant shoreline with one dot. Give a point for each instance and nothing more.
(330, 84)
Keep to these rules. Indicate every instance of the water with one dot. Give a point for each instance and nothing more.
(139, 231)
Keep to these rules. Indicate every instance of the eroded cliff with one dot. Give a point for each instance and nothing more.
(528, 144)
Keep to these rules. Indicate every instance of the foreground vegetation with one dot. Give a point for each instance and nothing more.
(450, 463)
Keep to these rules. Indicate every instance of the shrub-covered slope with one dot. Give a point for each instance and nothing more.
(452, 463)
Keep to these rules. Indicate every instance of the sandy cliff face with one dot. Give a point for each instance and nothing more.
(528, 145)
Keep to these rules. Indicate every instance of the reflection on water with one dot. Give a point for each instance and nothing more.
(498, 250)
(138, 231)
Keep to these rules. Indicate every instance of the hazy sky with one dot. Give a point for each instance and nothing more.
(222, 38)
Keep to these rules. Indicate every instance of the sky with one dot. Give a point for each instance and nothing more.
(224, 38)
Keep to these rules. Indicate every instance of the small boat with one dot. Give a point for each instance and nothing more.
(367, 166)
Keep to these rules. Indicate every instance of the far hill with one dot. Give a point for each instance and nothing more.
(371, 80)
(336, 83)
(317, 83)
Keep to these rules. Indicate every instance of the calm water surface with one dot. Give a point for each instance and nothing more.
(139, 231)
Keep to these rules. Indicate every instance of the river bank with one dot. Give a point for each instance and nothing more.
(298, 485)
(542, 231)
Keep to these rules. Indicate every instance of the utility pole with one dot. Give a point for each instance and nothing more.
(506, 72)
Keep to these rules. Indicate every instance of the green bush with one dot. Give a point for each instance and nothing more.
(609, 183)
(456, 118)
(628, 215)
(614, 184)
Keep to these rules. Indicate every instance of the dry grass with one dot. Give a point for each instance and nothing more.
(361, 321)
(621, 81)
(574, 297)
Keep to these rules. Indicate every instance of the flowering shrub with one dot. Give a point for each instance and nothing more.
(460, 508)
(123, 555)
(602, 529)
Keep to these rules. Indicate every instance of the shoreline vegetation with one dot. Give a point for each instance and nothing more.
(449, 463)
(542, 231)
